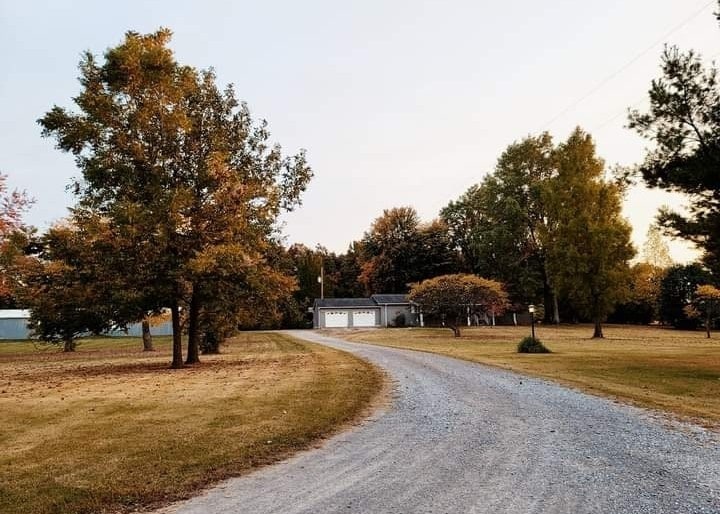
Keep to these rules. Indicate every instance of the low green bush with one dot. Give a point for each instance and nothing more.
(530, 345)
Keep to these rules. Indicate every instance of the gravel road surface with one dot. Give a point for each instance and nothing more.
(463, 438)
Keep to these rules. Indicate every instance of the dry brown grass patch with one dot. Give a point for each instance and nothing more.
(106, 430)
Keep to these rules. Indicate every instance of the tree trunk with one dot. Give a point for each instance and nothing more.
(193, 353)
(69, 345)
(177, 361)
(707, 324)
(598, 334)
(210, 344)
(147, 336)
(455, 327)
(549, 298)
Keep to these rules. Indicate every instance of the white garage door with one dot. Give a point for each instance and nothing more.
(363, 318)
(335, 319)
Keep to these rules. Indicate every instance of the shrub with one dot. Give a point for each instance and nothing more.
(400, 320)
(210, 343)
(530, 345)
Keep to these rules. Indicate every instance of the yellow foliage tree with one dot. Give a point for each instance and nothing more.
(706, 301)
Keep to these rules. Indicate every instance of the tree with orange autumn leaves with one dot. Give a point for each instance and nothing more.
(454, 297)
(13, 204)
(187, 183)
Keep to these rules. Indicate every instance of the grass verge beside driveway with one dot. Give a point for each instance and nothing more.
(671, 370)
(111, 428)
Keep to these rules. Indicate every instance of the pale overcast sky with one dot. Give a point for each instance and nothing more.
(397, 102)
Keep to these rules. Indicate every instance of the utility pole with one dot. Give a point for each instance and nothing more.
(321, 279)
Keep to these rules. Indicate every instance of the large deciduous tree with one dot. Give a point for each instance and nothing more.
(642, 304)
(706, 301)
(497, 223)
(677, 292)
(390, 249)
(186, 180)
(399, 250)
(586, 238)
(655, 250)
(454, 297)
(58, 282)
(73, 279)
(13, 204)
(347, 266)
(684, 124)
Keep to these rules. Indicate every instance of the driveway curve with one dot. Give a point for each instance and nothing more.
(465, 438)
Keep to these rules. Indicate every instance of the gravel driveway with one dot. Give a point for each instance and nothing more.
(465, 438)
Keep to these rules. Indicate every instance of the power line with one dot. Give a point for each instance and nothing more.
(625, 66)
(616, 116)
(633, 105)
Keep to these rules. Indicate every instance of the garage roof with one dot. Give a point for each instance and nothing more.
(14, 314)
(345, 302)
(389, 298)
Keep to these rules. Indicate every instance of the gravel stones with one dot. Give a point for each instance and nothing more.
(464, 438)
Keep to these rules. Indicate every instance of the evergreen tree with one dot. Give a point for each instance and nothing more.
(684, 125)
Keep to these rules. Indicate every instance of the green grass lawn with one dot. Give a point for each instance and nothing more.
(671, 370)
(16, 349)
(111, 428)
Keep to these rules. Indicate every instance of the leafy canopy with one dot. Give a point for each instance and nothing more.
(496, 224)
(677, 290)
(187, 182)
(13, 204)
(586, 238)
(399, 249)
(453, 296)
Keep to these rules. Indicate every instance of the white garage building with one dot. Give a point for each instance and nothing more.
(380, 310)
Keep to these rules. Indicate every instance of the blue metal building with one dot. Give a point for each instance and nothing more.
(14, 325)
